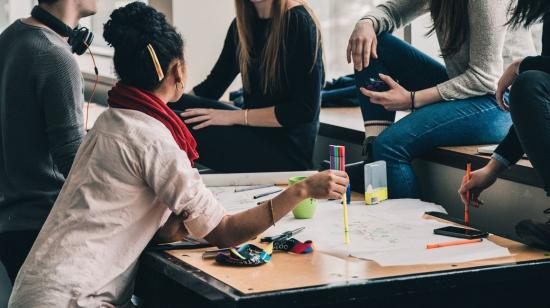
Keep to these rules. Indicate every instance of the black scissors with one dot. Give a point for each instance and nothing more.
(281, 237)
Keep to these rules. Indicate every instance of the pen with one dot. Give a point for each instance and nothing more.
(253, 187)
(267, 193)
(447, 244)
(281, 237)
(468, 195)
(211, 254)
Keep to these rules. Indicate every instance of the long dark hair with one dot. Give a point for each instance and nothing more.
(528, 12)
(450, 19)
(275, 48)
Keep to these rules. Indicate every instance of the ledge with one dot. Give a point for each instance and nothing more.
(346, 124)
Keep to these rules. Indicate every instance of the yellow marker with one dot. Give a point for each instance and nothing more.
(346, 229)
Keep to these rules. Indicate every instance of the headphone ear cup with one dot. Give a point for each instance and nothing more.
(80, 40)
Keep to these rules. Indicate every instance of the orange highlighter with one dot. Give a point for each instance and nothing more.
(468, 196)
(447, 244)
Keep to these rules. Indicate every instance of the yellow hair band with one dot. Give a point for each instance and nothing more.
(155, 62)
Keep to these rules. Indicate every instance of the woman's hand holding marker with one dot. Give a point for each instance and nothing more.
(330, 184)
(480, 180)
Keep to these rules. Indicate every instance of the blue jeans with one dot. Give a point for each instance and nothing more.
(471, 121)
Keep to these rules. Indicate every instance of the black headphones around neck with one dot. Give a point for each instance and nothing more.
(80, 38)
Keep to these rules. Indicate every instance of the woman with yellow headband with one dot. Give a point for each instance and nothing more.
(276, 47)
(133, 178)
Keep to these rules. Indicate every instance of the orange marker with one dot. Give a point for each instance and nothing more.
(447, 244)
(467, 205)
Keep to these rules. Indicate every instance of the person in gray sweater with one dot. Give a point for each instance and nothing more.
(451, 104)
(41, 123)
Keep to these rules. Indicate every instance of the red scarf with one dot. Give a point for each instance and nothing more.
(127, 97)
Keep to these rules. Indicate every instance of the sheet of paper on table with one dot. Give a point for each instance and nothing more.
(392, 233)
(235, 202)
(243, 179)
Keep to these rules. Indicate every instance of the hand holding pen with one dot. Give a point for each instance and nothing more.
(480, 180)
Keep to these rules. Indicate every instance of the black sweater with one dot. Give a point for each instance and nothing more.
(297, 103)
(510, 148)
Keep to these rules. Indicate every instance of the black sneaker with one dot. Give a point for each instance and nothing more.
(368, 144)
(535, 233)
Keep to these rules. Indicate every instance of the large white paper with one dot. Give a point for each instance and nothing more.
(235, 201)
(391, 233)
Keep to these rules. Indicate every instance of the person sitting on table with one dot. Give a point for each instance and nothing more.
(452, 104)
(529, 104)
(132, 175)
(276, 47)
(41, 121)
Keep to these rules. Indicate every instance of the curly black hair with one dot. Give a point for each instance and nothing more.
(129, 30)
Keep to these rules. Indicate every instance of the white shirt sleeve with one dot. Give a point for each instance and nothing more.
(168, 171)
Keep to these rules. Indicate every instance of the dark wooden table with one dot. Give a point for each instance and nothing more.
(165, 281)
(182, 279)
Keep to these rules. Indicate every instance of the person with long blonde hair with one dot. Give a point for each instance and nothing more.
(276, 47)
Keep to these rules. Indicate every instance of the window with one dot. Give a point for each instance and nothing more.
(4, 14)
(338, 20)
(11, 10)
(96, 22)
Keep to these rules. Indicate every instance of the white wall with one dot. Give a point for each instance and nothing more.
(426, 44)
(338, 20)
(20, 8)
(204, 25)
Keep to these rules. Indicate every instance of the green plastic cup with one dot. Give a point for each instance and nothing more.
(306, 208)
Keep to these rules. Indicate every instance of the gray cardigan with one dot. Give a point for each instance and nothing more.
(476, 68)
